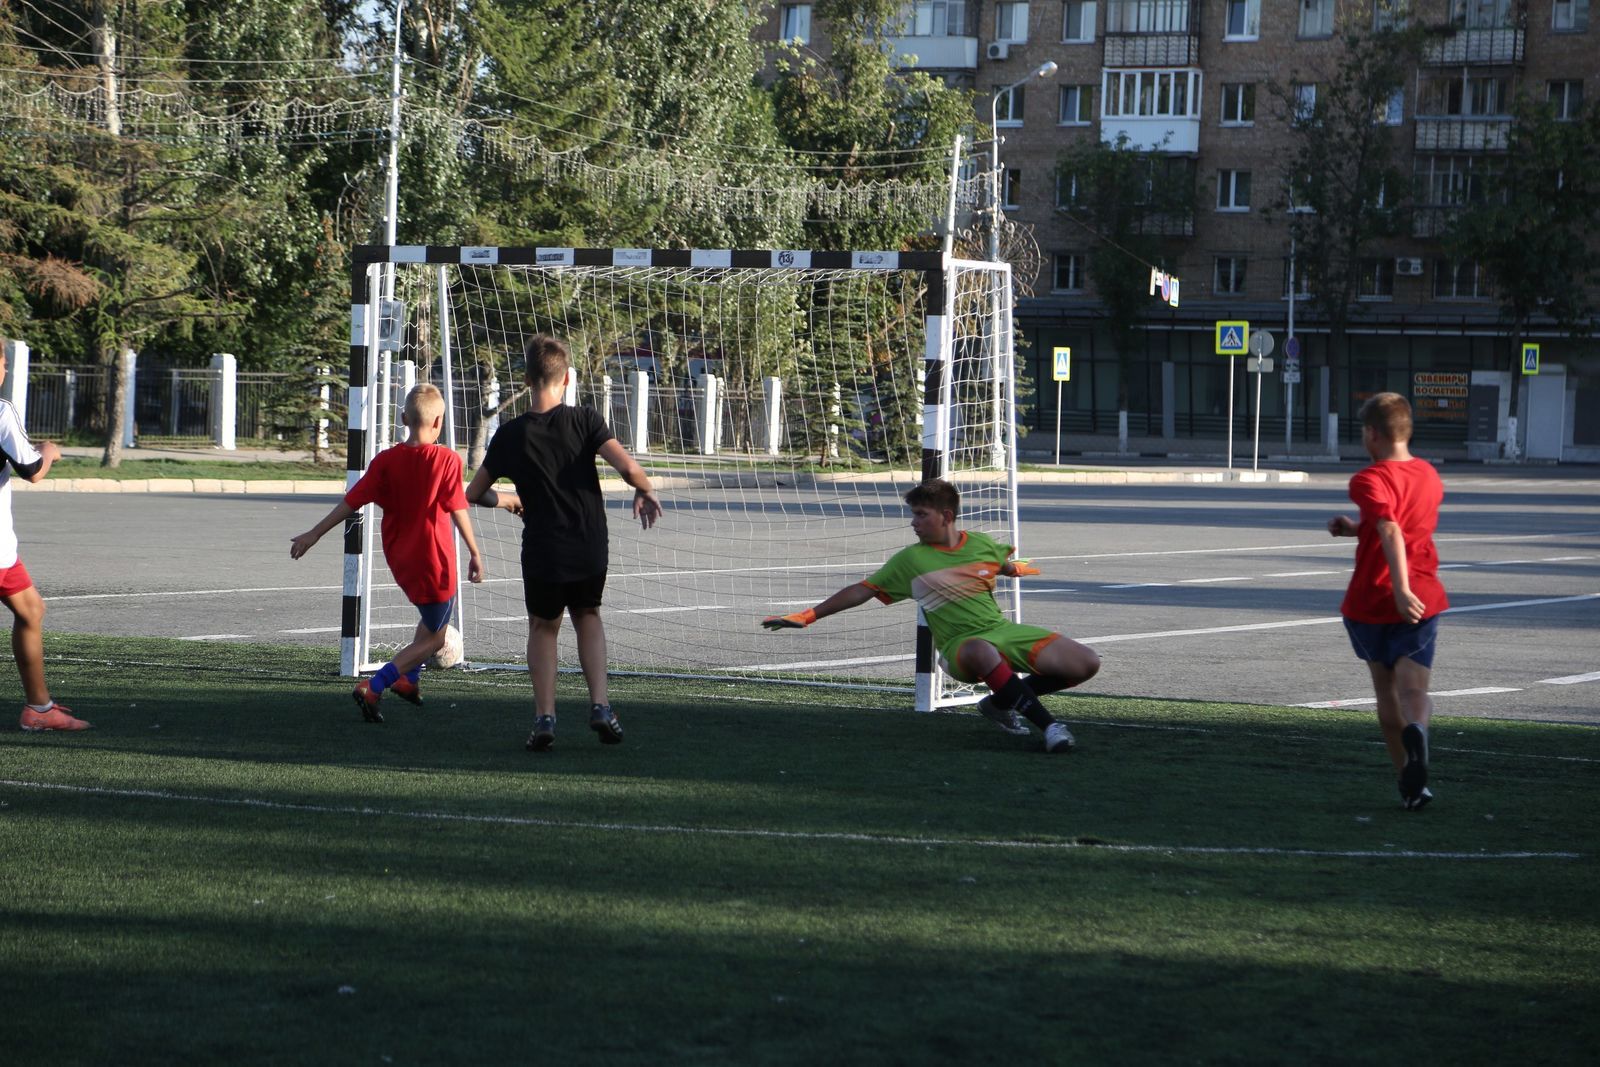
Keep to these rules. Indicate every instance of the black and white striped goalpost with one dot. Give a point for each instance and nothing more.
(938, 273)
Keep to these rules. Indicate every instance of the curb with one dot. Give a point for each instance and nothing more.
(329, 487)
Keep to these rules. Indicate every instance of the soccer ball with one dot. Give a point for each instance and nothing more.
(450, 654)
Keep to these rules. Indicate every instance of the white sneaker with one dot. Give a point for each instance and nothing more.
(1005, 718)
(1057, 738)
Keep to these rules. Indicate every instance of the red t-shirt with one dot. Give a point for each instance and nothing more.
(417, 486)
(1408, 493)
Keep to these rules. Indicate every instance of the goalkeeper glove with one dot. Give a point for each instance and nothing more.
(797, 621)
(1021, 568)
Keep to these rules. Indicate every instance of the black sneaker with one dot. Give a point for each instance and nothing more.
(544, 734)
(1414, 775)
(1420, 801)
(603, 721)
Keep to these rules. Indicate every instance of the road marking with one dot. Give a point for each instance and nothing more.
(216, 637)
(760, 833)
(1331, 542)
(1212, 581)
(1483, 690)
(1570, 679)
(1522, 603)
(1140, 585)
(663, 611)
(1298, 574)
(1563, 559)
(199, 592)
(1504, 562)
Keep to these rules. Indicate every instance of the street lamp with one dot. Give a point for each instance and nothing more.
(1043, 70)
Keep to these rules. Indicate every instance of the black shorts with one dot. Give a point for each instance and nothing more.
(547, 600)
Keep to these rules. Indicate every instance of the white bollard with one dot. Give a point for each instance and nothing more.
(224, 401)
(639, 413)
(405, 380)
(570, 397)
(324, 395)
(15, 387)
(774, 408)
(129, 408)
(705, 415)
(605, 399)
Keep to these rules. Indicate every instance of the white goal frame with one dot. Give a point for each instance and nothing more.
(376, 382)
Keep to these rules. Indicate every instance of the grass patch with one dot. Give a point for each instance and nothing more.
(233, 865)
(245, 470)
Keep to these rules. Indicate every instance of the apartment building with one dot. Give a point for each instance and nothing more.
(1194, 77)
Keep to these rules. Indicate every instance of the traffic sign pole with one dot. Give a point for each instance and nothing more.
(1233, 339)
(1231, 362)
(1261, 344)
(1058, 422)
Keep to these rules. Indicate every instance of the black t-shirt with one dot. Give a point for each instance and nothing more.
(549, 456)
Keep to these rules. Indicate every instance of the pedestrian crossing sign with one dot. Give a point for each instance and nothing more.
(1530, 359)
(1233, 337)
(1063, 364)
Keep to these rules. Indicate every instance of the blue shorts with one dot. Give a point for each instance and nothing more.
(1388, 642)
(436, 616)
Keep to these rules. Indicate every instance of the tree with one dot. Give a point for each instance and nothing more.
(1341, 188)
(1134, 203)
(1533, 228)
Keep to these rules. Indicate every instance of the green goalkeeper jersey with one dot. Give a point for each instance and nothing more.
(953, 586)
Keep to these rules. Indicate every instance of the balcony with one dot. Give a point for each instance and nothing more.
(1497, 47)
(1433, 221)
(1161, 133)
(1458, 133)
(935, 53)
(1152, 50)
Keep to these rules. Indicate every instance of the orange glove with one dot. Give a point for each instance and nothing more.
(797, 621)
(1021, 568)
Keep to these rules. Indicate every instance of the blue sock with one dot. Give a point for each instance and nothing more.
(384, 678)
(414, 675)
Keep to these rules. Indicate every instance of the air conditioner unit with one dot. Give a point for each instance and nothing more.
(1408, 265)
(1000, 50)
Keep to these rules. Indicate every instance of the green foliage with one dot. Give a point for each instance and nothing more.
(1534, 227)
(1134, 203)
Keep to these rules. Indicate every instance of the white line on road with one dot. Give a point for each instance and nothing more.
(1332, 542)
(1213, 581)
(1299, 574)
(198, 592)
(1570, 679)
(216, 637)
(1483, 690)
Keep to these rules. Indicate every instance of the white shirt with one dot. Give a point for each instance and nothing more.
(20, 451)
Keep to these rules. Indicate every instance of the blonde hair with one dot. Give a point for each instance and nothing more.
(1389, 416)
(423, 404)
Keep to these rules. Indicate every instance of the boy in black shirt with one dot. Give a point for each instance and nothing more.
(548, 453)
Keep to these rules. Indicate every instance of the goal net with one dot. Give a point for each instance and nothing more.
(782, 403)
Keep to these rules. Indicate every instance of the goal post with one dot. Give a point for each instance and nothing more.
(783, 401)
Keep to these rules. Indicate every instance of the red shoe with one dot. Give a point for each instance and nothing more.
(407, 690)
(55, 717)
(367, 701)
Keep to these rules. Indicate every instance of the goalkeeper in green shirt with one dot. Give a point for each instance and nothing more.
(951, 573)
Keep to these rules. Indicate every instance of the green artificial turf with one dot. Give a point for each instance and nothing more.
(233, 866)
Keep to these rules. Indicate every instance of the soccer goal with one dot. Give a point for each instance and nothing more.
(782, 401)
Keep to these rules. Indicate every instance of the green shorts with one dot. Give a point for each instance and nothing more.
(1019, 644)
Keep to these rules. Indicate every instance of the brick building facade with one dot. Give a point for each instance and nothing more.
(1195, 77)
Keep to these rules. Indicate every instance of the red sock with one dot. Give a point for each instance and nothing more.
(997, 678)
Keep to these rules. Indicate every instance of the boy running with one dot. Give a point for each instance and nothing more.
(1392, 607)
(417, 483)
(951, 573)
(39, 712)
(549, 453)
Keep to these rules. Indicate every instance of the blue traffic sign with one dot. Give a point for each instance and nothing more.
(1233, 337)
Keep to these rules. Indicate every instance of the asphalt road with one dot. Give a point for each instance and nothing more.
(1217, 591)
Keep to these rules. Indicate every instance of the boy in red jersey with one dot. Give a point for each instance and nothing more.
(1392, 606)
(418, 485)
(951, 573)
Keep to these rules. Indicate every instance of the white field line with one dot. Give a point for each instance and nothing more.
(1482, 690)
(821, 836)
(1330, 542)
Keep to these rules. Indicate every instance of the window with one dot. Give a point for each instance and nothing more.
(1305, 102)
(1229, 276)
(1233, 190)
(1011, 22)
(1316, 18)
(1570, 15)
(937, 18)
(1077, 23)
(1458, 280)
(1243, 20)
(1567, 98)
(1008, 106)
(1152, 93)
(1069, 273)
(1390, 14)
(1393, 110)
(1450, 181)
(1077, 105)
(1066, 190)
(1239, 104)
(1298, 188)
(1467, 95)
(1481, 14)
(796, 23)
(1147, 16)
(1013, 190)
(1377, 279)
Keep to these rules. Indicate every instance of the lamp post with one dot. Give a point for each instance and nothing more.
(1043, 70)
